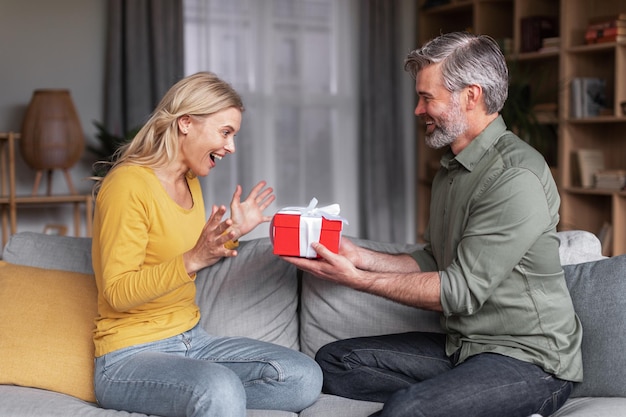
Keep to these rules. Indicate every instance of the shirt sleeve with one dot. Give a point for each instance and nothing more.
(124, 209)
(504, 222)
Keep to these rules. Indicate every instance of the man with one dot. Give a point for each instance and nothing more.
(491, 266)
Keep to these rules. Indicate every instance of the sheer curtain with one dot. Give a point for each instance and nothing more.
(294, 63)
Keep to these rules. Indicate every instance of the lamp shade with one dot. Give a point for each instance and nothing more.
(51, 137)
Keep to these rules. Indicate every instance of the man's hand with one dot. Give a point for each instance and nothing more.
(337, 268)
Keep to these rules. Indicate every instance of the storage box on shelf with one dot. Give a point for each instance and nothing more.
(591, 208)
(9, 200)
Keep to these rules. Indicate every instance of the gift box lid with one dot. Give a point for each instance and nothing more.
(293, 221)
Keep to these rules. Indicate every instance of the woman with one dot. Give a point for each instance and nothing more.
(150, 239)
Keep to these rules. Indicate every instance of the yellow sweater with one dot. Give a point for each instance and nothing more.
(139, 236)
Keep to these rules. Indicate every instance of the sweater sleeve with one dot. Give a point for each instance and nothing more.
(138, 261)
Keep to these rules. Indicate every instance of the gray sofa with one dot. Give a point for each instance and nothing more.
(260, 296)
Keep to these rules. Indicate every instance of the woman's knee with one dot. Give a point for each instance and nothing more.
(217, 393)
(303, 379)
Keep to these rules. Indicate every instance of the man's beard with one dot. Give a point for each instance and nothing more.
(451, 125)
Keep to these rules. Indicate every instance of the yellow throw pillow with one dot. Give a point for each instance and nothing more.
(46, 323)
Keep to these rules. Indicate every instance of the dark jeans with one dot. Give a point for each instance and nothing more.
(411, 374)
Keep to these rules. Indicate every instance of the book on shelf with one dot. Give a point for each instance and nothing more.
(611, 31)
(610, 179)
(589, 162)
(552, 44)
(607, 39)
(606, 29)
(587, 96)
(535, 29)
(594, 39)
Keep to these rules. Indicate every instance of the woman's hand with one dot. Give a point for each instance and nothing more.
(210, 245)
(248, 214)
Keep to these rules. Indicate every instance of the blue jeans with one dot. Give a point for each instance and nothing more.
(411, 374)
(195, 374)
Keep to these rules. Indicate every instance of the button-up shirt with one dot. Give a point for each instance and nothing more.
(492, 237)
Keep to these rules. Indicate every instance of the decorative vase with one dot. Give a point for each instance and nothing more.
(51, 137)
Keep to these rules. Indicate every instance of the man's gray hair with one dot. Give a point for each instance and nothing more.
(466, 59)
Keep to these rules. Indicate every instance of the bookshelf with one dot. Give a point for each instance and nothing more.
(592, 208)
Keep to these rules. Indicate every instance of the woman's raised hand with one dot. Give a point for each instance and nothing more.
(248, 214)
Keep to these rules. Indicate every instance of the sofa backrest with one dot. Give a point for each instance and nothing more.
(254, 294)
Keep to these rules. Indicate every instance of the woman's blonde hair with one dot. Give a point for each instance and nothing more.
(155, 145)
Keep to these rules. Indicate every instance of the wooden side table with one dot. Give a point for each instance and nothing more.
(9, 200)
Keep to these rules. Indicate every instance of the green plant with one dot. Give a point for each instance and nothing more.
(109, 144)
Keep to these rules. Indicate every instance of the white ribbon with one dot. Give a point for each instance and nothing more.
(311, 223)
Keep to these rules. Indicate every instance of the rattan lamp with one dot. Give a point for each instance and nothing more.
(52, 137)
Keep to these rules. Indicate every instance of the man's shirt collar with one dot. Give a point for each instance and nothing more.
(478, 147)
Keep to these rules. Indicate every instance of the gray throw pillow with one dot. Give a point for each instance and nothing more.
(598, 292)
(65, 253)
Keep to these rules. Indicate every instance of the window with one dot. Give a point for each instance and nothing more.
(294, 63)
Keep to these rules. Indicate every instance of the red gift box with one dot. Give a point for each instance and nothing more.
(294, 229)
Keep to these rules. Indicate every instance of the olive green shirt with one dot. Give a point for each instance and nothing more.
(492, 237)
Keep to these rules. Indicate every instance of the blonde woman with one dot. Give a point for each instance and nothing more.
(150, 239)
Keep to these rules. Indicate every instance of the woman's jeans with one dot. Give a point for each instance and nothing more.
(411, 374)
(199, 375)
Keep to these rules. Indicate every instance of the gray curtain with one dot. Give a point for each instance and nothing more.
(381, 159)
(144, 59)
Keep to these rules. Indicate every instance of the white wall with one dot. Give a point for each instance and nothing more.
(52, 44)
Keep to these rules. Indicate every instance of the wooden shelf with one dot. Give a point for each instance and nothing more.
(597, 119)
(9, 200)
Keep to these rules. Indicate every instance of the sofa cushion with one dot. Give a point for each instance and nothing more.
(598, 291)
(331, 312)
(48, 251)
(330, 405)
(254, 294)
(46, 325)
